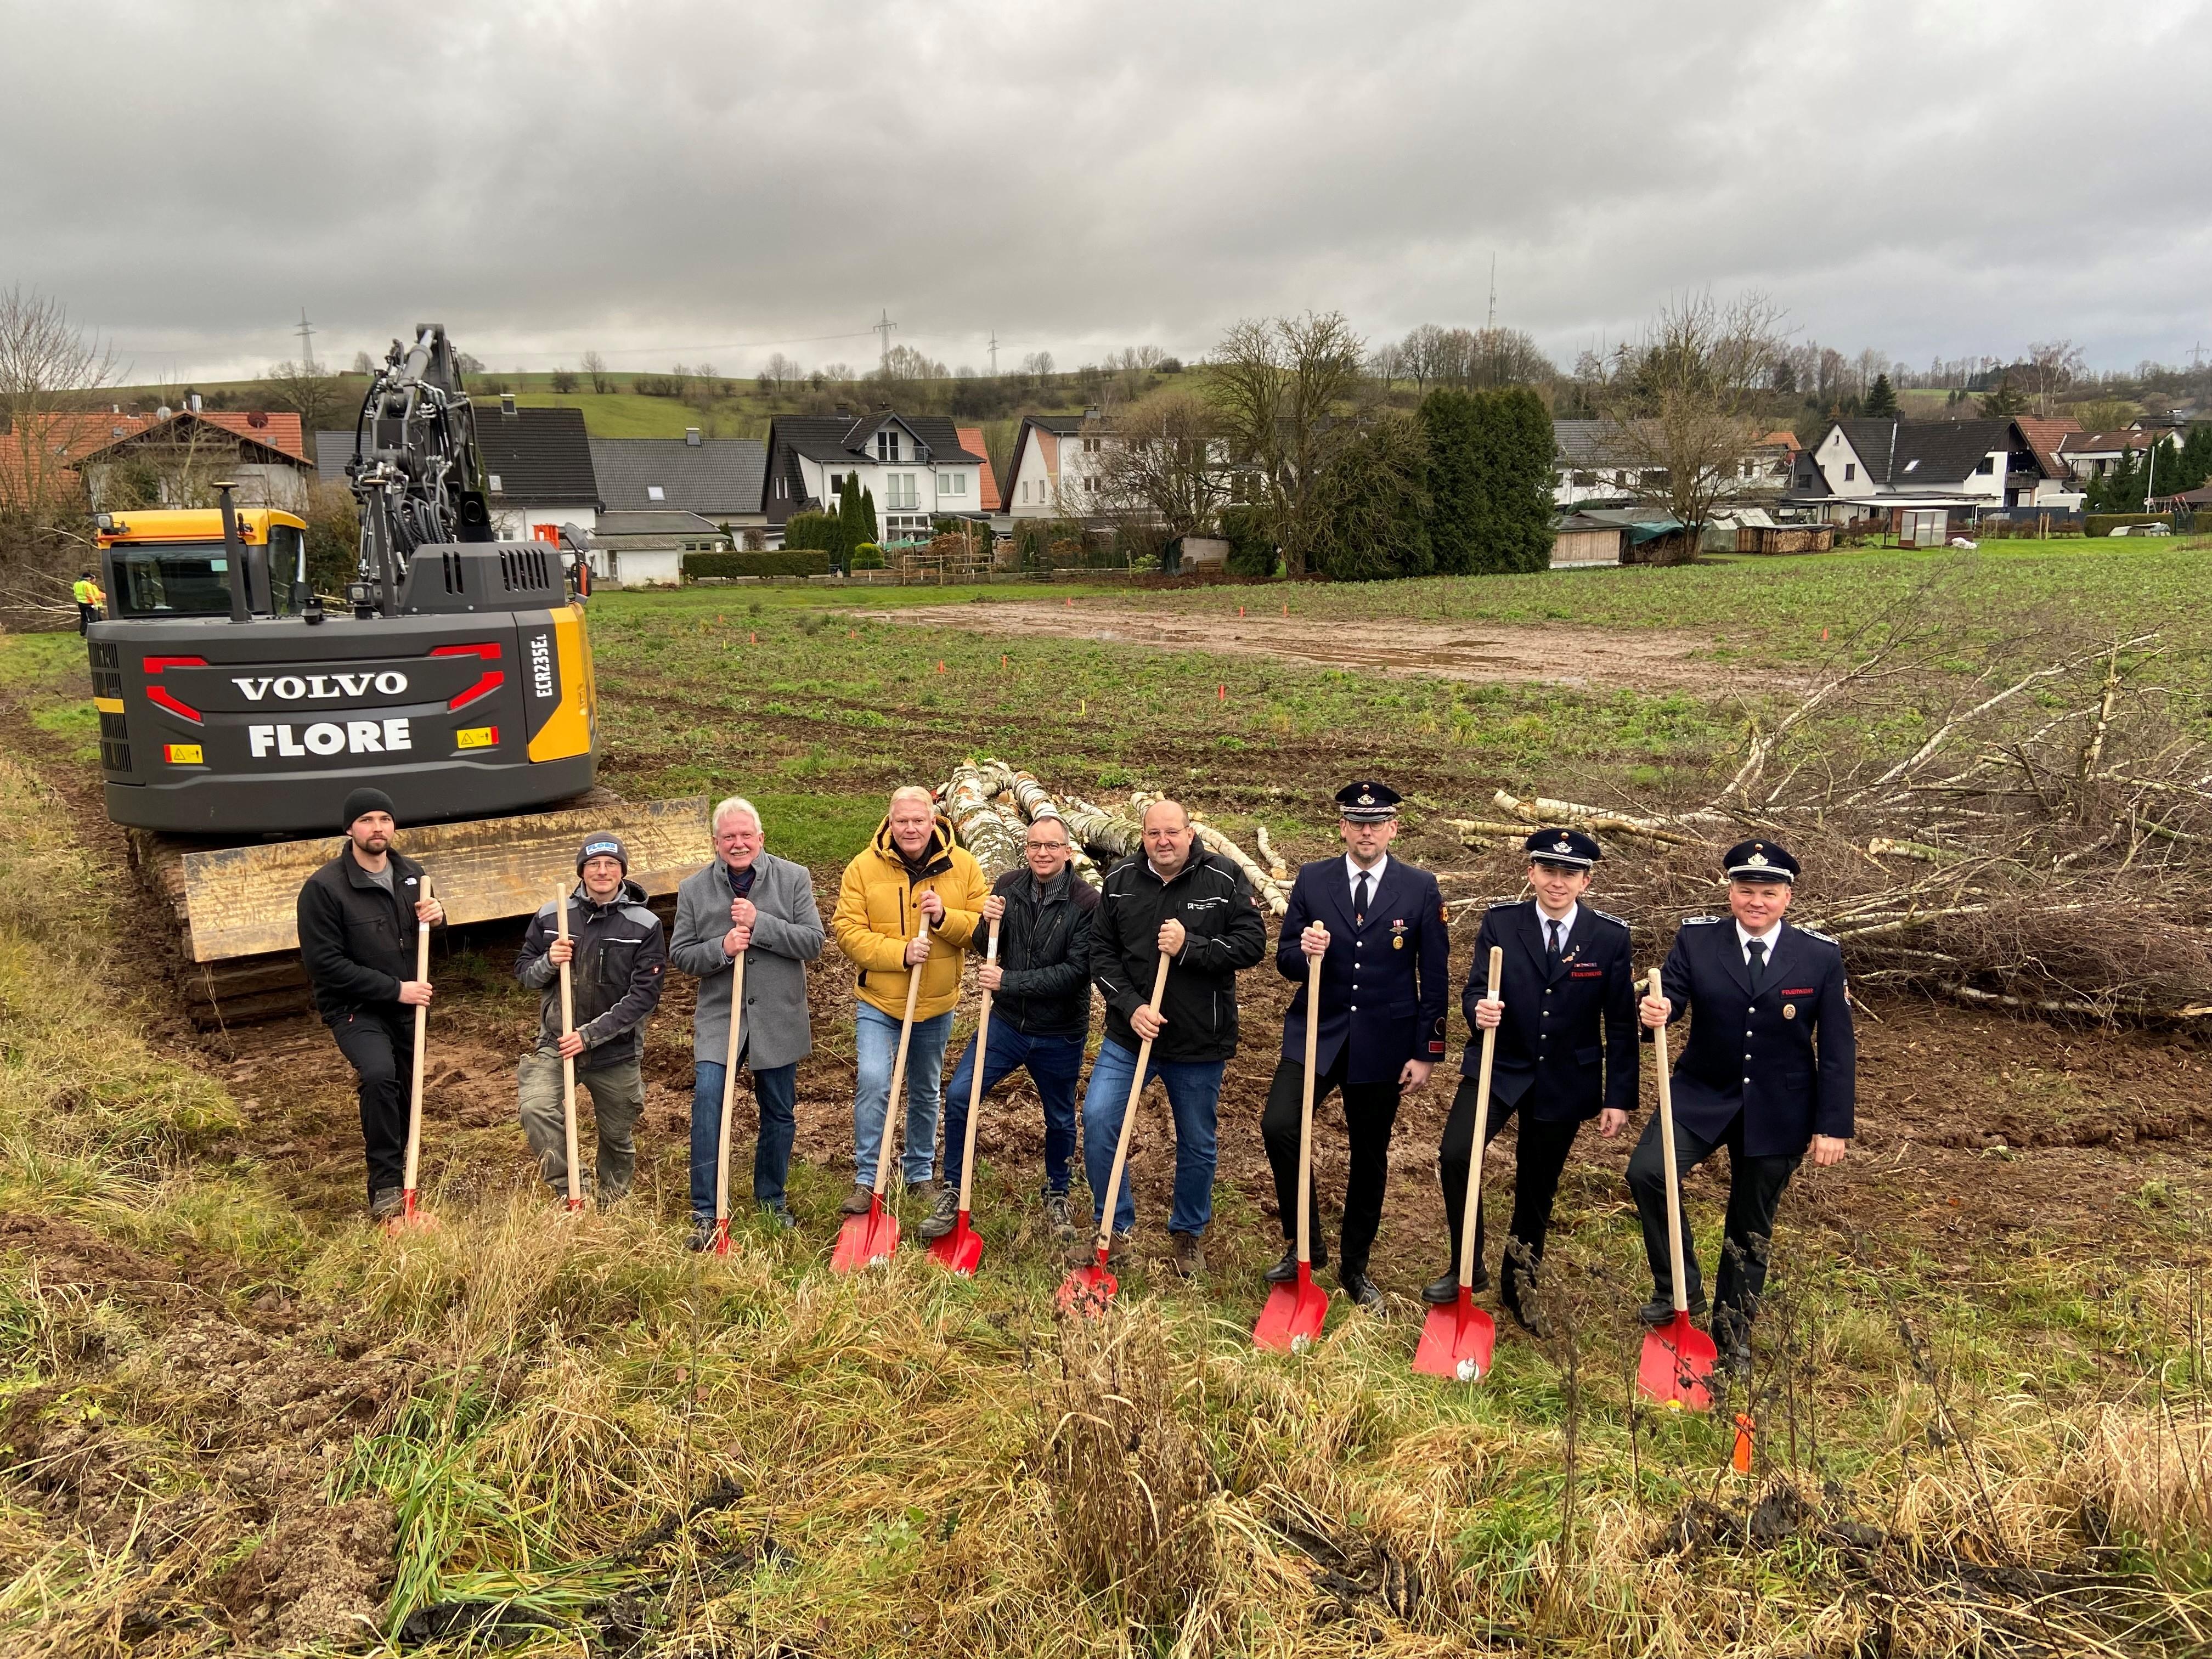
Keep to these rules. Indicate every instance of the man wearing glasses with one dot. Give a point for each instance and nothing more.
(1040, 1013)
(747, 902)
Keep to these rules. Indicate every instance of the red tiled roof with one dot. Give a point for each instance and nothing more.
(278, 431)
(971, 439)
(2047, 437)
(77, 432)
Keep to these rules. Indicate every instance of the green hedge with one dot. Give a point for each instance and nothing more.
(2104, 523)
(791, 562)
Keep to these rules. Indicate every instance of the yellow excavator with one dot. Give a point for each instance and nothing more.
(237, 709)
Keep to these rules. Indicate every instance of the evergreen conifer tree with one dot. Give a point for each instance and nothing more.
(1882, 399)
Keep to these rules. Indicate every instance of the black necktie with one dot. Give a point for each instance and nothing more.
(1552, 946)
(1757, 948)
(1359, 900)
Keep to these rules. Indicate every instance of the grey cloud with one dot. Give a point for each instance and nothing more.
(723, 180)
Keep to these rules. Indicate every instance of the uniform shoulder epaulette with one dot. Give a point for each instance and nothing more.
(1701, 922)
(1825, 938)
(1607, 915)
(1509, 904)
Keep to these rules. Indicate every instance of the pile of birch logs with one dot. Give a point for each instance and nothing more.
(991, 805)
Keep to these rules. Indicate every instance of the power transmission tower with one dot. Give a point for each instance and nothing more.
(307, 333)
(994, 354)
(884, 328)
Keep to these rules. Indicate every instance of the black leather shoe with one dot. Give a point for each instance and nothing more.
(1287, 1270)
(1441, 1292)
(1660, 1310)
(1363, 1292)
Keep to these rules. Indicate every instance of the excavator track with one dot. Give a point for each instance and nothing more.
(233, 909)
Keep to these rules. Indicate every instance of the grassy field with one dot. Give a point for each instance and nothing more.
(233, 1419)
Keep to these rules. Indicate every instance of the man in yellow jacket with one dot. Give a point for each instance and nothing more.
(912, 902)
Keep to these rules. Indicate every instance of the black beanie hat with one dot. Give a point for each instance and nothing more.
(602, 847)
(362, 800)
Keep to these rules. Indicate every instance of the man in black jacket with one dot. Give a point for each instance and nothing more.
(1197, 910)
(358, 916)
(1566, 1019)
(1040, 1013)
(1378, 925)
(617, 957)
(1793, 1089)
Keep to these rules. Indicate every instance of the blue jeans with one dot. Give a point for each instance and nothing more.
(1054, 1064)
(875, 1036)
(1194, 1091)
(777, 1091)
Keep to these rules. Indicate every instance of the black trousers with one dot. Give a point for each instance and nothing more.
(1538, 1160)
(380, 1047)
(1370, 1111)
(1755, 1187)
(85, 616)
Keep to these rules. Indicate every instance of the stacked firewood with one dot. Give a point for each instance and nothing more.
(991, 803)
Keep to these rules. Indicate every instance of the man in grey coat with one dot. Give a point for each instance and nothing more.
(747, 902)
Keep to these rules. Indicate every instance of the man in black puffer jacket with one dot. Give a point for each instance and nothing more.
(1040, 1013)
(359, 916)
(619, 958)
(1177, 900)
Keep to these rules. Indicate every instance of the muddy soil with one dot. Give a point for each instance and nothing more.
(1554, 653)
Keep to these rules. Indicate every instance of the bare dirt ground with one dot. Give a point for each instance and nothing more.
(1559, 654)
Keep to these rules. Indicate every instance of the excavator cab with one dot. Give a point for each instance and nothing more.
(172, 562)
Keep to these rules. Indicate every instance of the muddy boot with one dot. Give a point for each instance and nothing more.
(858, 1201)
(941, 1220)
(1056, 1216)
(1189, 1254)
(385, 1204)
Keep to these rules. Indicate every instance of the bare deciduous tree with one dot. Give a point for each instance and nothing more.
(307, 390)
(595, 370)
(1279, 387)
(1161, 464)
(47, 366)
(1686, 403)
(2052, 365)
(781, 371)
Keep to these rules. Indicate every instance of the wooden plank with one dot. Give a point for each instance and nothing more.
(243, 901)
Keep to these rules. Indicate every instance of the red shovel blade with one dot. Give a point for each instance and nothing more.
(1677, 1367)
(1293, 1315)
(1457, 1341)
(409, 1216)
(866, 1240)
(576, 1204)
(722, 1236)
(1088, 1290)
(961, 1250)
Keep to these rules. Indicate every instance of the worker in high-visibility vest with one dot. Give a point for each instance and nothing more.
(90, 599)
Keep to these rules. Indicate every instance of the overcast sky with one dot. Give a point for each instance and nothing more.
(716, 182)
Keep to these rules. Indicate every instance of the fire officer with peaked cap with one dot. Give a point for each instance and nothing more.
(1788, 1087)
(1378, 925)
(1566, 1019)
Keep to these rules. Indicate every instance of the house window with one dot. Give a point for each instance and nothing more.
(493, 483)
(1585, 479)
(951, 484)
(899, 491)
(887, 445)
(1851, 472)
(1091, 446)
(655, 493)
(1988, 465)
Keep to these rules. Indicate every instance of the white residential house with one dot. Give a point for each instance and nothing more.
(1926, 479)
(1053, 474)
(914, 465)
(2093, 454)
(1591, 467)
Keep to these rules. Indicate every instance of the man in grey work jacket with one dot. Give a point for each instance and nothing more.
(618, 958)
(747, 902)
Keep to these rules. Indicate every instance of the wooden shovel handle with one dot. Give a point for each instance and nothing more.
(1129, 1115)
(1667, 1151)
(422, 1032)
(729, 1087)
(898, 1062)
(1474, 1208)
(567, 1061)
(976, 1078)
(1305, 1106)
